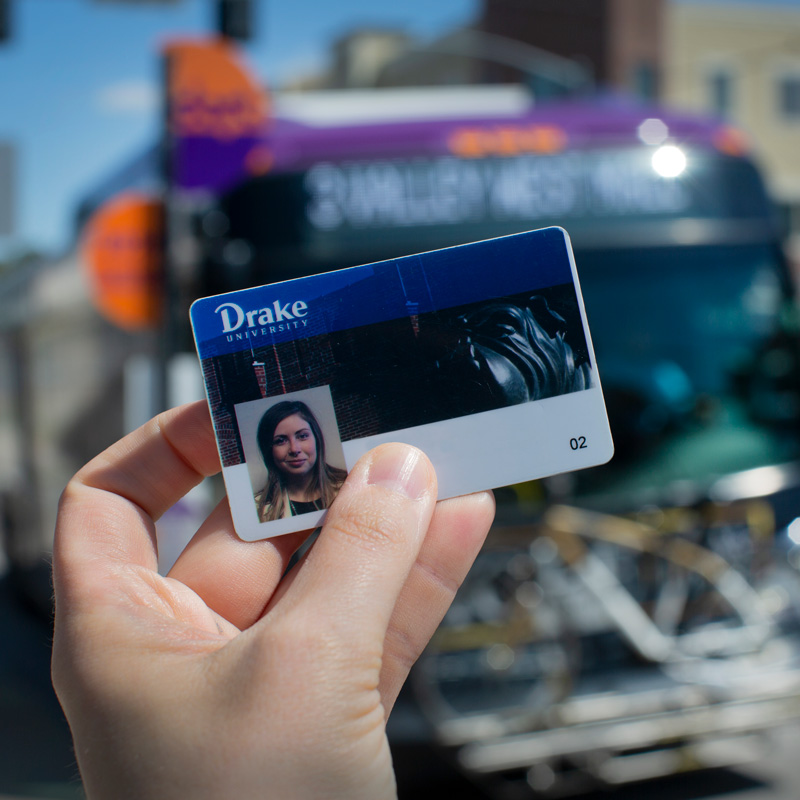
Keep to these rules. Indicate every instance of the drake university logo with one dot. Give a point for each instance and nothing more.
(272, 319)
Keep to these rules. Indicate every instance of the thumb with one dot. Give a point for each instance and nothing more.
(372, 535)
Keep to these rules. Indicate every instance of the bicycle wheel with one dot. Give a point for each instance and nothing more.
(502, 650)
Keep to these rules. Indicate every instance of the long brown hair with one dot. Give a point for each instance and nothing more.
(326, 480)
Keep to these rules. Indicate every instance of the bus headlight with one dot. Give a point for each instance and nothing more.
(669, 161)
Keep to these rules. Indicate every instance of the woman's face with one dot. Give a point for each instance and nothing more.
(294, 448)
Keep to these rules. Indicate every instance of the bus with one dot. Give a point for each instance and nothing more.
(595, 587)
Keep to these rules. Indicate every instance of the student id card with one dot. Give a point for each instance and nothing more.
(479, 355)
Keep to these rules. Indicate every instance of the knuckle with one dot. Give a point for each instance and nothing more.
(442, 580)
(403, 645)
(70, 493)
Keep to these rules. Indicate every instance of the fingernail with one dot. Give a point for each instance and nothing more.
(400, 468)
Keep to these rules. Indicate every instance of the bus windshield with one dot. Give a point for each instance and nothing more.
(698, 367)
(335, 215)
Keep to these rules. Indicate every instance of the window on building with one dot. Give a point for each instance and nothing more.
(789, 96)
(720, 92)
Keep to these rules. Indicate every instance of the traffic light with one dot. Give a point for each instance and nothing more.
(235, 19)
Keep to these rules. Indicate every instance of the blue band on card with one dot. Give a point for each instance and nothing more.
(387, 290)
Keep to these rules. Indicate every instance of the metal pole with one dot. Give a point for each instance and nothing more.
(167, 336)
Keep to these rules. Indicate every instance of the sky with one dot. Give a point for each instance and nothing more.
(79, 84)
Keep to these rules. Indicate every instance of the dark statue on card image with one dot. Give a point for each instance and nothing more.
(503, 353)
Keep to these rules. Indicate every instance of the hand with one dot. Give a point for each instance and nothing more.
(226, 679)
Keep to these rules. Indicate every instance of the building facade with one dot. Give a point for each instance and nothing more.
(741, 61)
(619, 42)
(554, 47)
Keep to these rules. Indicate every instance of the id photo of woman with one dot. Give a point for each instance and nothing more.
(295, 454)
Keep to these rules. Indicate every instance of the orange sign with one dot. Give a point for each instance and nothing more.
(507, 140)
(731, 141)
(122, 252)
(212, 93)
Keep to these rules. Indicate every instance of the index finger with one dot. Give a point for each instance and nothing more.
(108, 509)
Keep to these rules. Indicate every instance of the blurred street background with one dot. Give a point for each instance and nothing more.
(632, 630)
